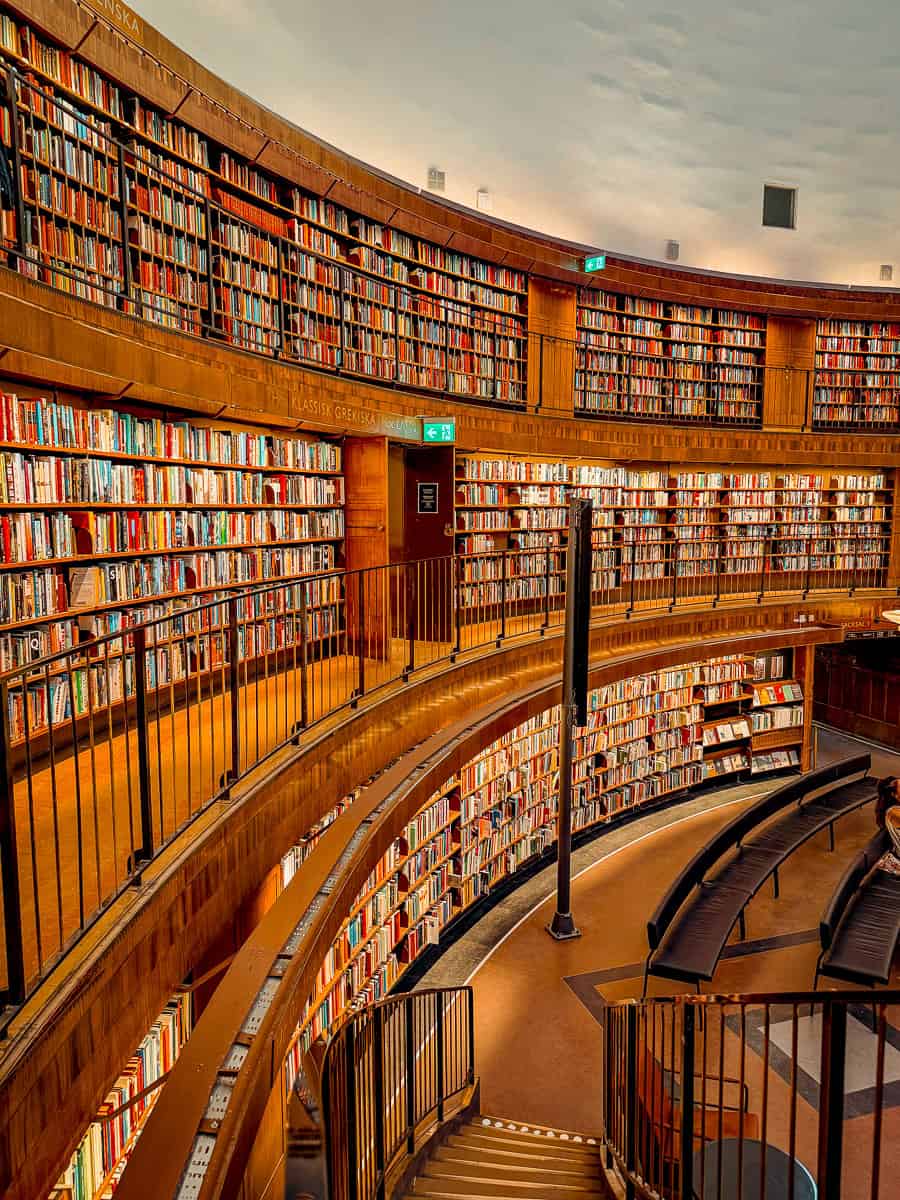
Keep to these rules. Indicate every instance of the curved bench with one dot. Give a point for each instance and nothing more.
(688, 931)
(860, 927)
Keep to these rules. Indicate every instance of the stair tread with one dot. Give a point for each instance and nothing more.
(504, 1189)
(458, 1175)
(520, 1144)
(533, 1165)
(492, 1130)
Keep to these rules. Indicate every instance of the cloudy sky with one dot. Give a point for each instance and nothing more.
(620, 123)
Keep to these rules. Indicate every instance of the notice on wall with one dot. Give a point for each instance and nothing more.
(428, 497)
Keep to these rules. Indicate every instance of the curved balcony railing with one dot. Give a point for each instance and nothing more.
(772, 1095)
(391, 1075)
(112, 748)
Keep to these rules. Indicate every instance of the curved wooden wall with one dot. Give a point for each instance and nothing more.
(59, 341)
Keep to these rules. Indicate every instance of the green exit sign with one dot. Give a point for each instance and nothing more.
(439, 431)
(597, 262)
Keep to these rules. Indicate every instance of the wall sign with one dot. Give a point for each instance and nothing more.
(439, 432)
(428, 497)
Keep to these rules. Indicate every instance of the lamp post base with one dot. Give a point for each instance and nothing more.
(562, 927)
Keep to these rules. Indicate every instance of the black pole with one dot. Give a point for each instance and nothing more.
(14, 993)
(562, 926)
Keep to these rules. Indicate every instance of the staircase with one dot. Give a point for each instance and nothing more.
(487, 1157)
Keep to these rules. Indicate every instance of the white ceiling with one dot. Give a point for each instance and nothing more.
(612, 122)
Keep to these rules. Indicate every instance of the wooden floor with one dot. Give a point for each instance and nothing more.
(538, 1038)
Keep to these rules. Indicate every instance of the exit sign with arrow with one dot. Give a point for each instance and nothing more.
(439, 431)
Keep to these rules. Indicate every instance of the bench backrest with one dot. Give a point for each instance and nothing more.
(737, 829)
(859, 867)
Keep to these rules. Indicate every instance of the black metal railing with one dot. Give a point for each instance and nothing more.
(723, 1096)
(110, 748)
(391, 1073)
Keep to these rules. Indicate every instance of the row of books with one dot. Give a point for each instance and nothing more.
(103, 1152)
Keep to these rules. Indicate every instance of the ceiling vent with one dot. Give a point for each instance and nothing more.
(436, 179)
(779, 206)
(483, 200)
(886, 272)
(673, 249)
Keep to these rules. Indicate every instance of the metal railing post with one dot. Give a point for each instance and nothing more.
(457, 606)
(210, 291)
(145, 850)
(379, 1100)
(350, 1098)
(123, 217)
(410, 1074)
(14, 993)
(503, 564)
(234, 691)
(608, 1135)
(12, 98)
(687, 1102)
(547, 579)
(631, 594)
(411, 601)
(360, 637)
(304, 659)
(439, 1034)
(630, 1098)
(470, 995)
(831, 1098)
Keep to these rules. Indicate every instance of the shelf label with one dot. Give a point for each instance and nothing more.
(596, 262)
(428, 497)
(439, 431)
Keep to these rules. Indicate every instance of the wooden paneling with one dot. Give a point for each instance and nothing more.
(790, 359)
(366, 541)
(551, 346)
(804, 672)
(366, 506)
(265, 1175)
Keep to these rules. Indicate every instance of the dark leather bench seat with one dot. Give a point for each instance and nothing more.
(692, 948)
(861, 926)
(694, 920)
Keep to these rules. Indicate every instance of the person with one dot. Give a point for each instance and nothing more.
(887, 817)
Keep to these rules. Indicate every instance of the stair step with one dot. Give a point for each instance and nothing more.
(449, 1163)
(561, 1137)
(505, 1189)
(510, 1155)
(522, 1144)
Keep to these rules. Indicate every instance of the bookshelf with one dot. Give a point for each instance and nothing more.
(661, 533)
(103, 1152)
(857, 374)
(110, 517)
(653, 359)
(127, 207)
(648, 737)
